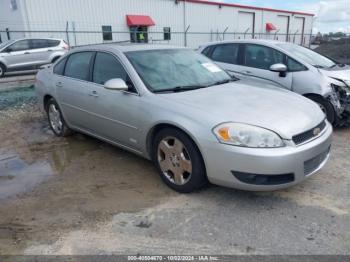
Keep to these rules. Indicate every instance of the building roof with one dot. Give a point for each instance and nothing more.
(246, 7)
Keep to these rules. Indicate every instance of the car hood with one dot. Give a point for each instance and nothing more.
(281, 111)
(338, 73)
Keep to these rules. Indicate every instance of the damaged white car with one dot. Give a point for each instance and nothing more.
(290, 66)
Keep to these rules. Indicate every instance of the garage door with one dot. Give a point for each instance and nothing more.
(282, 26)
(246, 24)
(299, 27)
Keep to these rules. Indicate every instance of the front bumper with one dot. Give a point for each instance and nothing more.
(224, 161)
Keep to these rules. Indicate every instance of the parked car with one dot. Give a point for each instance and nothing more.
(289, 66)
(177, 108)
(24, 54)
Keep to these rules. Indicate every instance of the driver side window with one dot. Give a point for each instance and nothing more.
(107, 67)
(262, 57)
(19, 46)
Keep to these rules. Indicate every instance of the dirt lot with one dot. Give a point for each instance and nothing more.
(82, 196)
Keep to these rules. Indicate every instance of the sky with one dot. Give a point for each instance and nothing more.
(331, 15)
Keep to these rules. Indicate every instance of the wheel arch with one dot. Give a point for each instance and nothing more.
(46, 98)
(160, 126)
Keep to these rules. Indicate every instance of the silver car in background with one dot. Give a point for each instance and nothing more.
(24, 54)
(197, 123)
(289, 66)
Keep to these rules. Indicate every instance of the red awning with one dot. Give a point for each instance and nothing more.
(270, 27)
(137, 20)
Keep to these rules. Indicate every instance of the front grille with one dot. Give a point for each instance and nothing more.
(303, 137)
(314, 163)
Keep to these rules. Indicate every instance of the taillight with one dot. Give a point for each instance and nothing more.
(65, 46)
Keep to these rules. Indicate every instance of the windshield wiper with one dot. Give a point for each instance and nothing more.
(318, 66)
(224, 81)
(179, 89)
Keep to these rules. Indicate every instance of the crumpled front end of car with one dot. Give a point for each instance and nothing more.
(340, 99)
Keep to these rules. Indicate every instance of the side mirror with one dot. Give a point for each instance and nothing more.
(279, 68)
(116, 84)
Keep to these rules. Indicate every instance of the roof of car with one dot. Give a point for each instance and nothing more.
(127, 47)
(254, 41)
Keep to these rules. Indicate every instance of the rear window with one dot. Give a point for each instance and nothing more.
(227, 53)
(78, 65)
(52, 43)
(59, 68)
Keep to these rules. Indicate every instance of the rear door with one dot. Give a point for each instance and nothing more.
(256, 61)
(73, 90)
(40, 51)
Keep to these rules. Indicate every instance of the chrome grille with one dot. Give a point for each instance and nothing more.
(305, 136)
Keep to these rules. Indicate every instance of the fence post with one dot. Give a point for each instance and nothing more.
(8, 34)
(74, 34)
(185, 36)
(0, 38)
(67, 35)
(223, 34)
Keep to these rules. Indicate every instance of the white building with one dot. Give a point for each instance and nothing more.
(203, 20)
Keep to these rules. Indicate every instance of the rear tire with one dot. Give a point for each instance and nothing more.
(56, 121)
(326, 107)
(178, 160)
(2, 70)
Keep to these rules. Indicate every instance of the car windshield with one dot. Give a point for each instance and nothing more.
(2, 45)
(308, 56)
(176, 70)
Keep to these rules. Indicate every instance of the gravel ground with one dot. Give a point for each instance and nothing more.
(78, 195)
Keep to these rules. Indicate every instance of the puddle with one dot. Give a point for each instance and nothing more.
(16, 176)
(17, 97)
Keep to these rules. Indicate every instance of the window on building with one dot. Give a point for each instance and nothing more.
(13, 5)
(167, 33)
(258, 56)
(107, 33)
(227, 53)
(78, 65)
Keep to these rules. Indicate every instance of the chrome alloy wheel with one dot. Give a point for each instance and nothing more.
(174, 160)
(55, 118)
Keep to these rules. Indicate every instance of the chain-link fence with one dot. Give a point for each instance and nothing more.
(187, 38)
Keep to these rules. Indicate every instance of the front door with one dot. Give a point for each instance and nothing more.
(256, 63)
(18, 55)
(114, 112)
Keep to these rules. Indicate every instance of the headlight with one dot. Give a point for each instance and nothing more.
(244, 135)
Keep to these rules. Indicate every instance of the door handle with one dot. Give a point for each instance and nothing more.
(94, 94)
(59, 84)
(49, 50)
(27, 53)
(247, 72)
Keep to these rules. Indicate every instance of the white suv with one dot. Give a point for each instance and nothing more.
(23, 54)
(289, 66)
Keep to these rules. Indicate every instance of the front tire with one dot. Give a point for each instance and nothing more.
(56, 120)
(178, 161)
(326, 107)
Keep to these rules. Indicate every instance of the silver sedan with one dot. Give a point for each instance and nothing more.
(197, 123)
